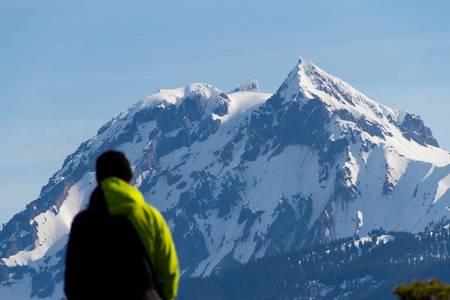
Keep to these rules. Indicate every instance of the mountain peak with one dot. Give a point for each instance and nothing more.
(244, 175)
(176, 96)
(305, 63)
(206, 97)
(249, 86)
(306, 82)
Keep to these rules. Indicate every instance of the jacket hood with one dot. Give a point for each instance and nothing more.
(122, 198)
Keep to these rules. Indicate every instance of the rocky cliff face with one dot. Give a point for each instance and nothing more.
(243, 175)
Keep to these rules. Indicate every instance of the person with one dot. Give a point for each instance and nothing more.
(119, 247)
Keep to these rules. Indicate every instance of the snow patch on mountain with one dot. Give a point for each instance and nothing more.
(53, 225)
(443, 187)
(244, 102)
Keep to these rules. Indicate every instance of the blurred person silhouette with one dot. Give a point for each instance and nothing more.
(119, 247)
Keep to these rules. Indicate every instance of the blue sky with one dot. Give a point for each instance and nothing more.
(68, 67)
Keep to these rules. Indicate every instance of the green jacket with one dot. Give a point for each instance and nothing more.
(124, 199)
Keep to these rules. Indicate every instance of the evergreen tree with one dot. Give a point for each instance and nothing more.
(419, 290)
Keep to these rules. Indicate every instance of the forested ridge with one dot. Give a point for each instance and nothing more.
(352, 268)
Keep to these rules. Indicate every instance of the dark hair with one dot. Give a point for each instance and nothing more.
(113, 164)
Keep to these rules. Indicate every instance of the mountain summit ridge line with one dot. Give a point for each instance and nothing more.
(244, 175)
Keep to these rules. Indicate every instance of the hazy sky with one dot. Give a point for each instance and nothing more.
(68, 67)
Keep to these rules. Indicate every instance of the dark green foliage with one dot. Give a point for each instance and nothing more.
(418, 290)
(343, 269)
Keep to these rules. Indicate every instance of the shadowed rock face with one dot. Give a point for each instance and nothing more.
(312, 163)
(414, 129)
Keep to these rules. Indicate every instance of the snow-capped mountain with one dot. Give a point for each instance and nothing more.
(243, 175)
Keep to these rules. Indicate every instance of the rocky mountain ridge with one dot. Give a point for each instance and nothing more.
(244, 175)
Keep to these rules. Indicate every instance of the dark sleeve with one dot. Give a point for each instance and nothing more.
(73, 271)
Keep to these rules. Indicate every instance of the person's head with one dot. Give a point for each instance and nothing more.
(113, 164)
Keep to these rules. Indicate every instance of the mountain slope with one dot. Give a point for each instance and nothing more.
(363, 268)
(243, 175)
